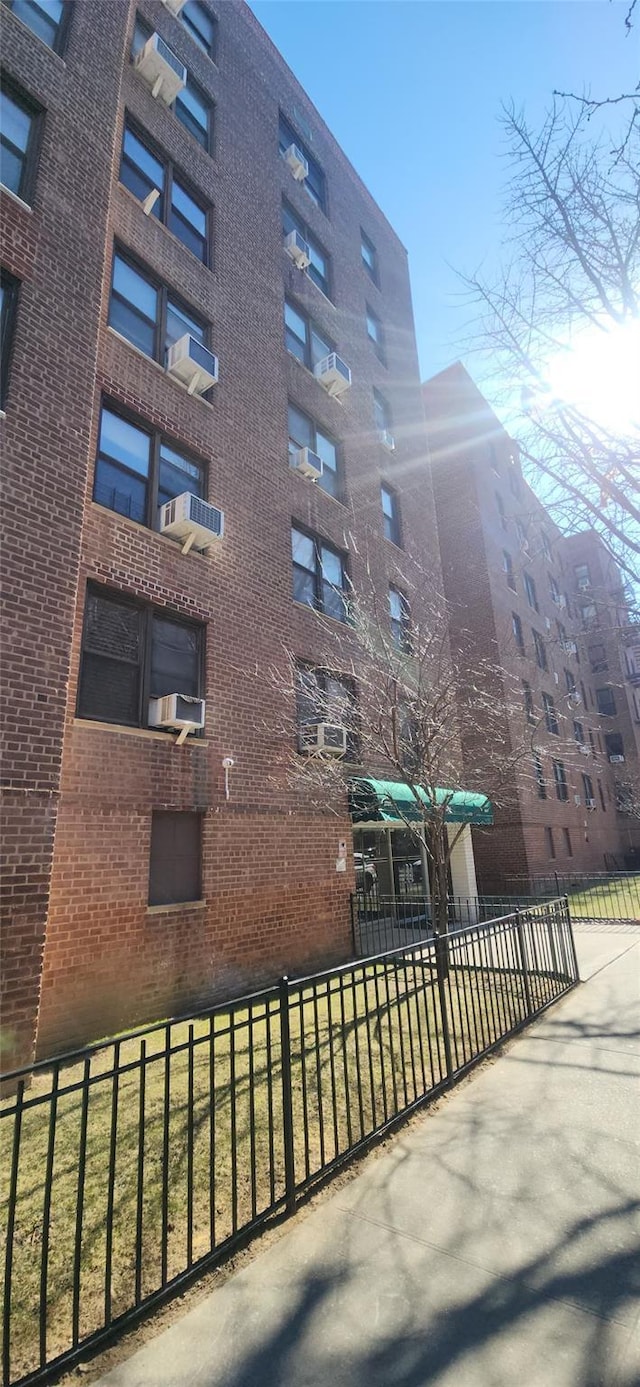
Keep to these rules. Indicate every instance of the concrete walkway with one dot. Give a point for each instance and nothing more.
(495, 1244)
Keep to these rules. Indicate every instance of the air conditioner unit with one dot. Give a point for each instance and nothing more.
(161, 69)
(570, 647)
(556, 677)
(296, 161)
(586, 750)
(575, 696)
(174, 6)
(590, 803)
(562, 601)
(333, 374)
(577, 799)
(584, 584)
(191, 520)
(296, 246)
(323, 739)
(179, 711)
(193, 364)
(387, 439)
(616, 760)
(547, 623)
(308, 463)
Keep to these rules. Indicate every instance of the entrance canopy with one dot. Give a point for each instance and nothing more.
(391, 801)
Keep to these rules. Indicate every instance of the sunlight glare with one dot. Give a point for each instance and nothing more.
(600, 376)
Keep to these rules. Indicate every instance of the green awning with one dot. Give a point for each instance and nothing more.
(391, 801)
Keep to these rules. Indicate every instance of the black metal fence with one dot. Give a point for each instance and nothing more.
(592, 896)
(128, 1165)
(382, 922)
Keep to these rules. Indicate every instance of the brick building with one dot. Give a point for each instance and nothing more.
(510, 578)
(169, 192)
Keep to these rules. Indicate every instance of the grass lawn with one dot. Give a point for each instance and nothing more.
(189, 1097)
(613, 900)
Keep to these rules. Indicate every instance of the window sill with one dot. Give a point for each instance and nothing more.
(304, 607)
(147, 530)
(156, 222)
(176, 906)
(308, 372)
(14, 198)
(147, 732)
(158, 367)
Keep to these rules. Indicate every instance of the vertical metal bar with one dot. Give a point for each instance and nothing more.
(367, 1022)
(332, 1070)
(8, 1258)
(269, 1067)
(383, 1076)
(572, 942)
(212, 1132)
(345, 1064)
(140, 1173)
(82, 1161)
(412, 1048)
(444, 1016)
(252, 1116)
(524, 962)
(233, 1117)
(320, 1100)
(190, 1148)
(356, 1041)
(398, 1012)
(417, 995)
(46, 1213)
(303, 1086)
(354, 909)
(166, 1114)
(111, 1183)
(287, 1099)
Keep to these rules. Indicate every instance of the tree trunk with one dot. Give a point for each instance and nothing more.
(440, 893)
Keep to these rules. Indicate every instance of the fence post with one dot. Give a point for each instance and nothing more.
(572, 941)
(524, 961)
(442, 971)
(352, 901)
(287, 1099)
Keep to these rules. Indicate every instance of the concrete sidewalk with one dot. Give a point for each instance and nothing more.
(495, 1243)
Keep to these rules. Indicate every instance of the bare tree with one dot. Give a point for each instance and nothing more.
(627, 101)
(574, 265)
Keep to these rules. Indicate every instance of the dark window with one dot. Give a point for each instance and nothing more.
(570, 682)
(587, 787)
(146, 313)
(562, 635)
(175, 871)
(46, 18)
(515, 481)
(588, 614)
(583, 691)
(390, 514)
(567, 842)
(304, 433)
(132, 652)
(375, 333)
(546, 547)
(319, 266)
(560, 777)
(18, 124)
(550, 715)
(322, 696)
(583, 577)
(369, 256)
(507, 564)
(9, 288)
(400, 619)
(554, 590)
(137, 470)
(529, 708)
(614, 744)
(539, 774)
(602, 802)
(606, 702)
(530, 590)
(592, 742)
(517, 633)
(191, 106)
(522, 536)
(578, 732)
(548, 833)
(319, 578)
(501, 512)
(597, 657)
(302, 338)
(381, 413)
(314, 183)
(540, 650)
(202, 26)
(143, 169)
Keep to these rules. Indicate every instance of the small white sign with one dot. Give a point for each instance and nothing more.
(341, 864)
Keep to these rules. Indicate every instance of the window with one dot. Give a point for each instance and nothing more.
(501, 513)
(304, 433)
(582, 575)
(597, 657)
(318, 269)
(400, 619)
(570, 681)
(315, 183)
(381, 413)
(201, 24)
(515, 483)
(592, 742)
(530, 590)
(550, 715)
(18, 124)
(302, 338)
(522, 536)
(369, 256)
(540, 650)
(614, 745)
(546, 547)
(551, 851)
(322, 696)
(567, 842)
(588, 614)
(132, 652)
(606, 702)
(146, 313)
(319, 578)
(8, 302)
(137, 470)
(583, 691)
(46, 18)
(539, 774)
(578, 732)
(507, 564)
(554, 590)
(601, 797)
(529, 708)
(142, 170)
(517, 633)
(191, 106)
(374, 332)
(560, 778)
(587, 788)
(175, 871)
(390, 514)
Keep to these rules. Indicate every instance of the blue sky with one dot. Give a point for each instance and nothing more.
(411, 89)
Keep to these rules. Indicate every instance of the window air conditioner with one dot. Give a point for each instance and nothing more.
(577, 799)
(575, 696)
(296, 246)
(296, 162)
(616, 760)
(333, 374)
(191, 520)
(323, 739)
(193, 364)
(387, 439)
(586, 751)
(161, 69)
(174, 6)
(308, 463)
(570, 647)
(179, 711)
(590, 803)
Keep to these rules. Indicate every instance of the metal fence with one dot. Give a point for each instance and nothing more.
(592, 896)
(388, 922)
(131, 1164)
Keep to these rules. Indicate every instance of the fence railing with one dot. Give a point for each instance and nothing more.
(381, 922)
(131, 1164)
(592, 896)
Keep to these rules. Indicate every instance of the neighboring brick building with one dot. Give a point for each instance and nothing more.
(134, 884)
(508, 575)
